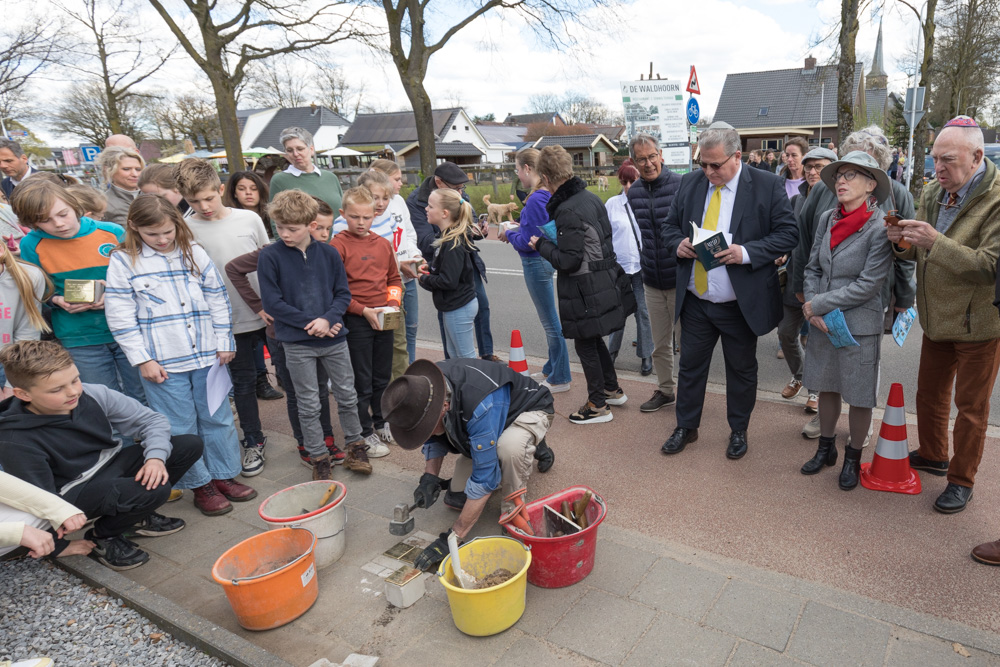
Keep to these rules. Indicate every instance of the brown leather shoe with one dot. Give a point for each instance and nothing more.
(211, 503)
(322, 468)
(357, 458)
(792, 389)
(234, 491)
(988, 553)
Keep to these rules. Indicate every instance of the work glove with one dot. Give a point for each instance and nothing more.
(432, 556)
(545, 456)
(427, 490)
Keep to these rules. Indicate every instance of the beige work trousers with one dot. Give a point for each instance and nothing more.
(660, 306)
(516, 452)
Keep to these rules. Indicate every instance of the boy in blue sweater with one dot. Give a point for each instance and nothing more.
(303, 286)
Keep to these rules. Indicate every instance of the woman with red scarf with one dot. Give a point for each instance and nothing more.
(850, 260)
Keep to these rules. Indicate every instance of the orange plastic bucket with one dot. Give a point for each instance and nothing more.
(270, 578)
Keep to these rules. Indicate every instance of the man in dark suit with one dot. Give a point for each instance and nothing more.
(737, 301)
(14, 165)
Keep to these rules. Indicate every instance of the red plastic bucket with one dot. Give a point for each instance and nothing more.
(561, 561)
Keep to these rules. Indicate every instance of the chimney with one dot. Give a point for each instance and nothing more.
(810, 63)
(312, 108)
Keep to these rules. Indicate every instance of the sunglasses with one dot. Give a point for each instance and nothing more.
(715, 166)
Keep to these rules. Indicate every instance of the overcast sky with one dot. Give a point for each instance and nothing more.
(495, 64)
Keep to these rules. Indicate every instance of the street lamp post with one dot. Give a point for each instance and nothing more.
(916, 83)
(958, 106)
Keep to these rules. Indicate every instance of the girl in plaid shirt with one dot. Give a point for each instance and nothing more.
(168, 310)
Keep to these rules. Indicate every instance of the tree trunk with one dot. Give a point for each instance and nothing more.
(920, 131)
(421, 101)
(225, 101)
(845, 68)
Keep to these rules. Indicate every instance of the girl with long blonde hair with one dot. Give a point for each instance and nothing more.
(23, 287)
(450, 276)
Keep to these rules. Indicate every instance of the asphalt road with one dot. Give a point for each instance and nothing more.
(511, 308)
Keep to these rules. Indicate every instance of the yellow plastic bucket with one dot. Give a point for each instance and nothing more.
(488, 611)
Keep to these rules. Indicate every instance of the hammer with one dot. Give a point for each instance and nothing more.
(402, 523)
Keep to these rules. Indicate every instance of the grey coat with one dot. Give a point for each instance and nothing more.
(851, 276)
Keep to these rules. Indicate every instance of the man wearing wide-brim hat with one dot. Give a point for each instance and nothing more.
(955, 238)
(494, 418)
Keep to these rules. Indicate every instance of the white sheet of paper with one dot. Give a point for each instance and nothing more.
(218, 383)
(700, 234)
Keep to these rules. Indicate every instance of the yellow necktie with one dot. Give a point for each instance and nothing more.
(711, 222)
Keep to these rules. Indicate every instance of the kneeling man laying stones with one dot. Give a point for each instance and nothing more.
(494, 418)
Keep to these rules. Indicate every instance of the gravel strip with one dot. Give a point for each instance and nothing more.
(45, 611)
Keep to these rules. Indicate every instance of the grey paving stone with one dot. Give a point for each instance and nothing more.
(908, 648)
(545, 606)
(679, 588)
(602, 626)
(445, 646)
(751, 655)
(761, 615)
(677, 641)
(828, 636)
(531, 651)
(200, 537)
(618, 568)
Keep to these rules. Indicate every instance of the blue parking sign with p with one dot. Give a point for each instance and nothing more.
(90, 153)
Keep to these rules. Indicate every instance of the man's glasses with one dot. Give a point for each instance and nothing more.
(647, 159)
(716, 166)
(812, 167)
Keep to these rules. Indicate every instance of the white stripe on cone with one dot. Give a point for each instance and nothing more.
(892, 449)
(894, 415)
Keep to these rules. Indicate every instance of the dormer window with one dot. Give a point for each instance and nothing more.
(762, 111)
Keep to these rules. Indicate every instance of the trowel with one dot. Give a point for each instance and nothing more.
(465, 580)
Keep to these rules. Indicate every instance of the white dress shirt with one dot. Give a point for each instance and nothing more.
(720, 287)
(624, 233)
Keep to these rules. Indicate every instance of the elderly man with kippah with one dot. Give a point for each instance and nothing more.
(955, 240)
(494, 418)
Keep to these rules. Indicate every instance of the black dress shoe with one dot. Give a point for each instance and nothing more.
(826, 455)
(679, 439)
(917, 462)
(953, 499)
(647, 366)
(737, 445)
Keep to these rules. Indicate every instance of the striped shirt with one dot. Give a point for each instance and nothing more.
(159, 309)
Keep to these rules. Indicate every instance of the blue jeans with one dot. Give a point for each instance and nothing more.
(182, 398)
(459, 330)
(106, 364)
(538, 279)
(644, 347)
(410, 305)
(484, 338)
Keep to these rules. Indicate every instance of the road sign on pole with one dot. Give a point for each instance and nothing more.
(693, 86)
(693, 112)
(90, 153)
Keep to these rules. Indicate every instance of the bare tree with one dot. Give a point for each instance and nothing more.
(846, 65)
(337, 93)
(544, 103)
(581, 108)
(926, 68)
(230, 42)
(25, 50)
(121, 60)
(84, 113)
(967, 58)
(407, 20)
(276, 83)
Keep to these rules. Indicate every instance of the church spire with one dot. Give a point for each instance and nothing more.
(877, 77)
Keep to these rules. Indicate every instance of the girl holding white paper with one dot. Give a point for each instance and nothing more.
(167, 308)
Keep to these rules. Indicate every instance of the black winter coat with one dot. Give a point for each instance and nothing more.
(428, 233)
(650, 202)
(589, 303)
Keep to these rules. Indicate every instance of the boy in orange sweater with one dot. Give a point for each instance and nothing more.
(373, 277)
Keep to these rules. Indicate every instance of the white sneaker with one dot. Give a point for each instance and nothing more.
(868, 438)
(253, 461)
(555, 388)
(538, 377)
(385, 435)
(376, 448)
(811, 429)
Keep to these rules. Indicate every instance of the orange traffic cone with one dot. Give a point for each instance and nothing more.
(517, 361)
(890, 469)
